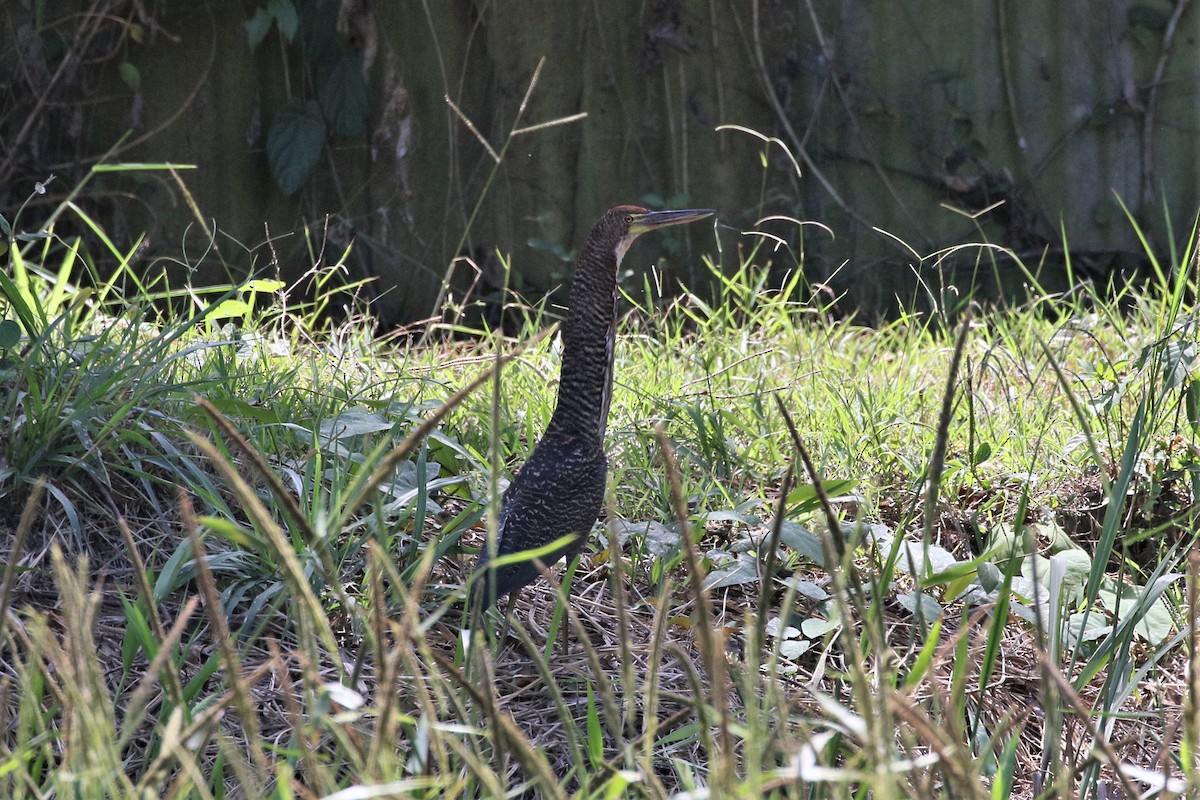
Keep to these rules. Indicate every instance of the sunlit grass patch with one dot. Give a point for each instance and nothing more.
(279, 512)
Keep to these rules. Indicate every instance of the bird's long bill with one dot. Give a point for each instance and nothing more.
(652, 220)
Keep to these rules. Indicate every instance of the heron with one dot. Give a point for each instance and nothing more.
(559, 492)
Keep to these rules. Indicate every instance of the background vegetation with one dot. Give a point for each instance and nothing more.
(838, 561)
(387, 125)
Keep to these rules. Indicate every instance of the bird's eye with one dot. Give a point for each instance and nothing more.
(629, 219)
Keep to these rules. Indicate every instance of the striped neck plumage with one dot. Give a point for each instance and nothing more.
(588, 336)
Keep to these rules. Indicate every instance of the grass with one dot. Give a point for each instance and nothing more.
(946, 557)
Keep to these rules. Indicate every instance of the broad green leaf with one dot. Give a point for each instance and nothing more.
(343, 96)
(232, 406)
(353, 423)
(1076, 565)
(989, 576)
(815, 627)
(258, 602)
(1178, 357)
(131, 75)
(285, 14)
(10, 334)
(1057, 539)
(777, 630)
(932, 562)
(743, 569)
(228, 309)
(619, 782)
(58, 295)
(294, 144)
(257, 28)
(956, 571)
(264, 285)
(1004, 542)
(792, 649)
(16, 292)
(137, 634)
(660, 541)
(929, 607)
(1097, 627)
(803, 541)
(1156, 624)
(808, 589)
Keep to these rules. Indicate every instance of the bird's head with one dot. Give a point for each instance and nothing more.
(621, 225)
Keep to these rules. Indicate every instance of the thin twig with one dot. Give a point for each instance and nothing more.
(465, 120)
(541, 126)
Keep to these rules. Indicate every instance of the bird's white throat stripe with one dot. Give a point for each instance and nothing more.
(623, 245)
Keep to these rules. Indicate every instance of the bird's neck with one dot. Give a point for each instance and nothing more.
(585, 385)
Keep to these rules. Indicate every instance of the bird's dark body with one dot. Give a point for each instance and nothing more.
(560, 490)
